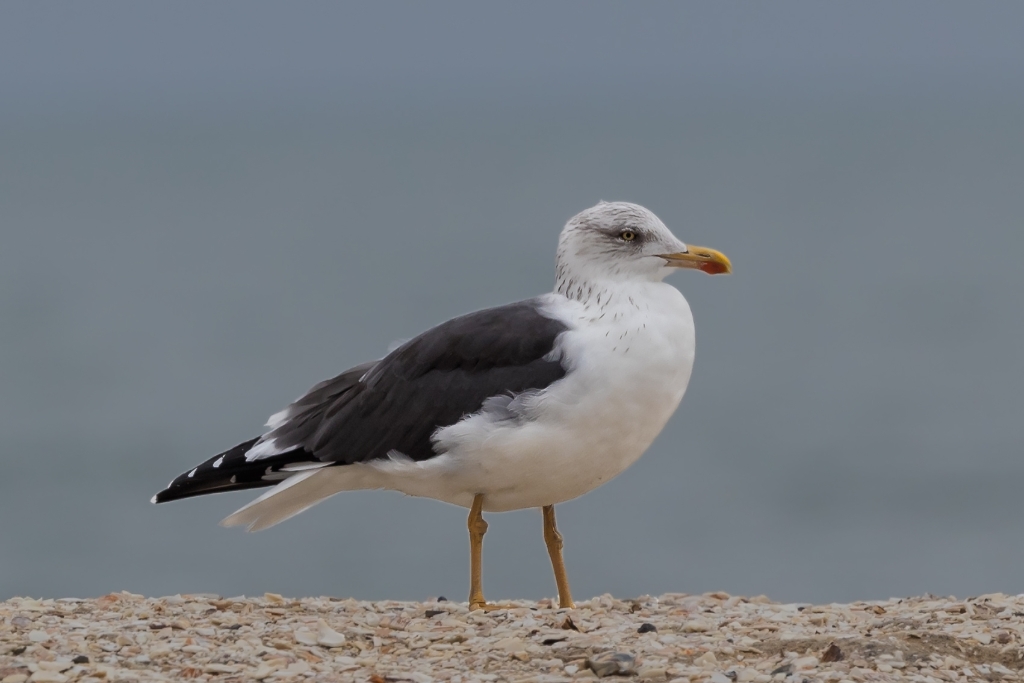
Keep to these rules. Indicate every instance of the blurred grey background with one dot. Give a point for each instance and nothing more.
(207, 208)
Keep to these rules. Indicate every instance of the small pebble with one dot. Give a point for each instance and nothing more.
(48, 677)
(707, 660)
(832, 653)
(696, 626)
(612, 664)
(219, 669)
(304, 636)
(58, 666)
(805, 663)
(649, 672)
(647, 627)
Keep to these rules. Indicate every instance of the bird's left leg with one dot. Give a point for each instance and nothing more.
(477, 529)
(553, 540)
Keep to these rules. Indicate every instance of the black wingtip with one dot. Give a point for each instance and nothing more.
(173, 492)
(163, 497)
(187, 484)
(231, 471)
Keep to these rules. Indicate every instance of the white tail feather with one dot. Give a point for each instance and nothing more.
(298, 493)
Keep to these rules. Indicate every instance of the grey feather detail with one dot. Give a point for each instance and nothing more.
(397, 344)
(396, 457)
(303, 466)
(511, 407)
(298, 421)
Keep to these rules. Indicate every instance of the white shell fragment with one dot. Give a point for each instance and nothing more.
(327, 636)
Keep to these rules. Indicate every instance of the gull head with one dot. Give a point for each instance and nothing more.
(623, 241)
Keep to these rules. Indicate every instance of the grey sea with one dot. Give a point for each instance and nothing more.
(172, 275)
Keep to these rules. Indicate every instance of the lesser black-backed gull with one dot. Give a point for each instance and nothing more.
(524, 405)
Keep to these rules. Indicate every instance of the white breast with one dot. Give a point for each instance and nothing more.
(629, 363)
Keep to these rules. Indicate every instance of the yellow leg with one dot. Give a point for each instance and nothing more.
(477, 529)
(553, 540)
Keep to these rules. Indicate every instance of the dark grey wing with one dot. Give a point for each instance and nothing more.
(431, 381)
(394, 404)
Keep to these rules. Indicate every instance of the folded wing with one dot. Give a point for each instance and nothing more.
(395, 404)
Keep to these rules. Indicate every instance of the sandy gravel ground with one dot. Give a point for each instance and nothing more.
(713, 637)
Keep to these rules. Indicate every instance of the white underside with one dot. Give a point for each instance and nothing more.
(630, 362)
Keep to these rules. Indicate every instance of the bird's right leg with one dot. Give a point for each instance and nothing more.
(477, 529)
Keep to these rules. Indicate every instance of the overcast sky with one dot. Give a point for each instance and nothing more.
(183, 55)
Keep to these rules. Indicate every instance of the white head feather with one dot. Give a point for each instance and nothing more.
(615, 241)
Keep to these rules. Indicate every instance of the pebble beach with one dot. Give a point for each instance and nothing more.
(675, 637)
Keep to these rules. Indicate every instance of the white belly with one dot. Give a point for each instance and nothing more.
(628, 372)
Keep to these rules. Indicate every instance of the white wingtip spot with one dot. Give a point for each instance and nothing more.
(279, 418)
(264, 449)
(192, 473)
(153, 500)
(218, 461)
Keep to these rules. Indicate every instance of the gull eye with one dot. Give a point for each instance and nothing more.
(627, 235)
